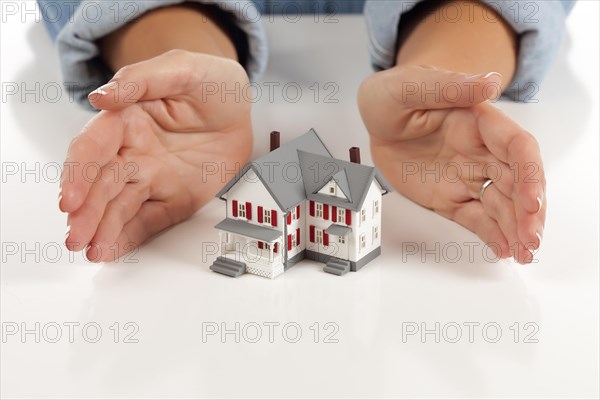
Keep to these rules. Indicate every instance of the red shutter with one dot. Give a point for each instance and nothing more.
(297, 212)
(260, 214)
(289, 242)
(348, 217)
(298, 237)
(275, 248)
(312, 233)
(325, 212)
(333, 213)
(234, 208)
(289, 218)
(248, 210)
(325, 239)
(273, 217)
(311, 208)
(260, 245)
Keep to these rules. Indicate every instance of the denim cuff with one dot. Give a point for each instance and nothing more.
(540, 26)
(79, 54)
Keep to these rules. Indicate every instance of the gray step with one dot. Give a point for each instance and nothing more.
(228, 267)
(337, 267)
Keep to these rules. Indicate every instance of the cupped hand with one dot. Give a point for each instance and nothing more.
(171, 132)
(437, 138)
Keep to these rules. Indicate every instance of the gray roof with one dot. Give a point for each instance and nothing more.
(338, 230)
(279, 170)
(299, 169)
(317, 171)
(247, 229)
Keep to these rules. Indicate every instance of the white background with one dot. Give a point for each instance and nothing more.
(167, 290)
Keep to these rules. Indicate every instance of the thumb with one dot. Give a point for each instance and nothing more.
(423, 88)
(166, 75)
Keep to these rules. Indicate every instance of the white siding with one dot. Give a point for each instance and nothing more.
(372, 220)
(251, 189)
(297, 224)
(335, 249)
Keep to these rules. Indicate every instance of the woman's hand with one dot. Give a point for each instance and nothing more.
(168, 138)
(437, 139)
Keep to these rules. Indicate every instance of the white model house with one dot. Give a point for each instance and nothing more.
(299, 202)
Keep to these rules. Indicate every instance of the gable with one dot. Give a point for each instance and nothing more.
(333, 187)
(251, 189)
(317, 171)
(280, 171)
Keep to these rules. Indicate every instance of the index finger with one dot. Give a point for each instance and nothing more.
(97, 144)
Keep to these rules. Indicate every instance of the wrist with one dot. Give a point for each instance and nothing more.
(186, 27)
(461, 36)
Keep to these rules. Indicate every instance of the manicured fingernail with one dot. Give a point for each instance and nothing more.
(475, 76)
(539, 240)
(492, 74)
(540, 200)
(484, 75)
(104, 89)
(67, 233)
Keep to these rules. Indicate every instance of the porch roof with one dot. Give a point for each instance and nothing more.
(338, 230)
(247, 229)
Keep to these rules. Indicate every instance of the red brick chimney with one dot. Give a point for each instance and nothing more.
(275, 140)
(355, 155)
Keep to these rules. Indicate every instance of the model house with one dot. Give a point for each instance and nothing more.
(299, 202)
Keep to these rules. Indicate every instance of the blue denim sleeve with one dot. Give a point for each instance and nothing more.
(539, 24)
(76, 25)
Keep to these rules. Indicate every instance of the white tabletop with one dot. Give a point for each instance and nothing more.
(167, 304)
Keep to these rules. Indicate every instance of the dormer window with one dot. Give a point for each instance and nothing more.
(332, 188)
(242, 210)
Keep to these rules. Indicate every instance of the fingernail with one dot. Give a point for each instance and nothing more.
(475, 76)
(59, 201)
(540, 200)
(67, 233)
(104, 89)
(484, 75)
(539, 240)
(491, 74)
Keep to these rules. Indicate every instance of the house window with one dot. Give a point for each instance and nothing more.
(341, 215)
(267, 217)
(341, 240)
(332, 189)
(375, 233)
(319, 210)
(242, 210)
(375, 207)
(363, 215)
(264, 246)
(319, 236)
(293, 212)
(363, 241)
